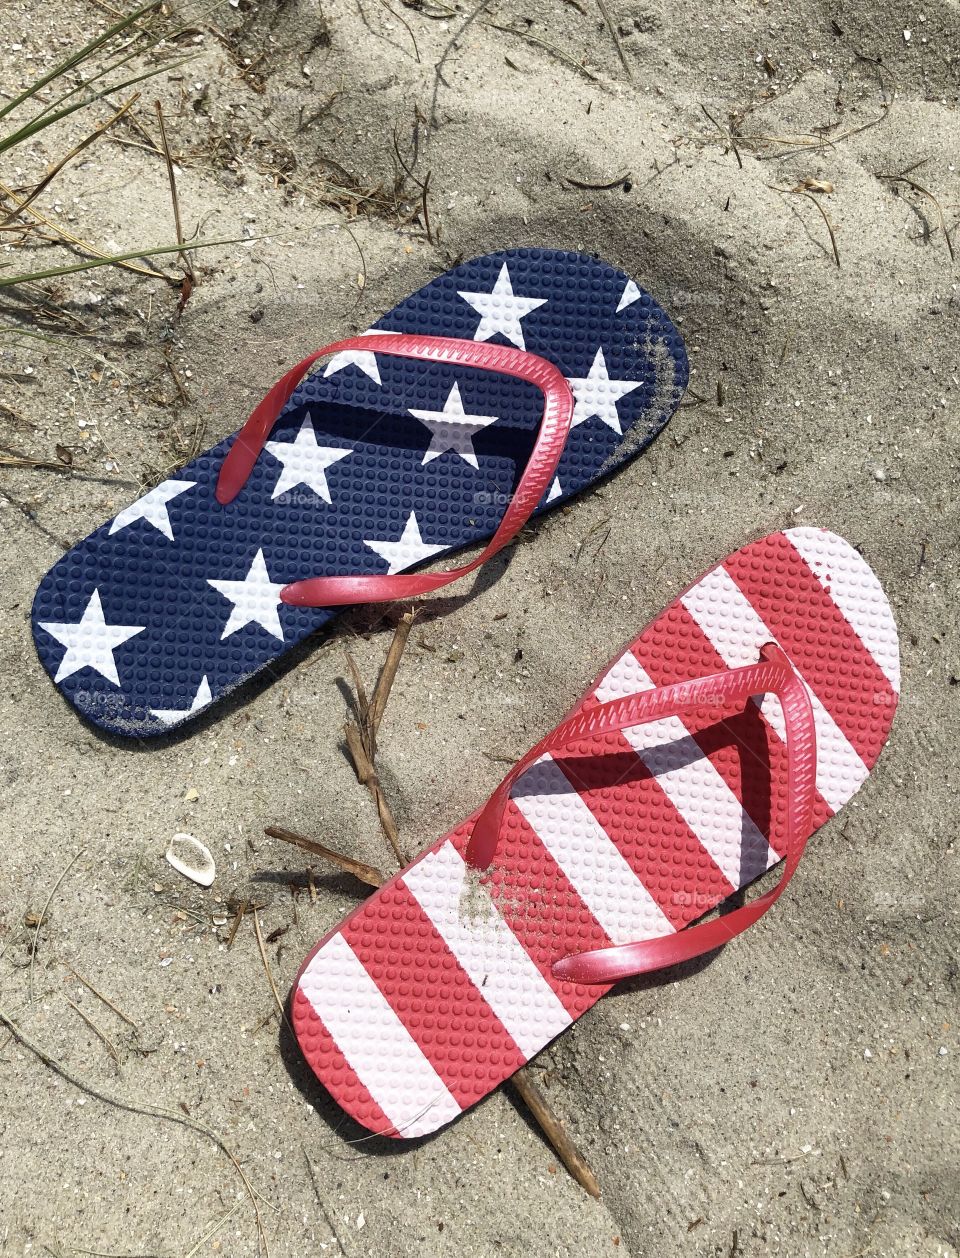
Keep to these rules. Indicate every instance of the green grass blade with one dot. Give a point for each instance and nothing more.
(34, 277)
(75, 58)
(41, 121)
(133, 48)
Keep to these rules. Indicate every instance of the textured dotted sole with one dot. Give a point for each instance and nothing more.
(376, 464)
(439, 986)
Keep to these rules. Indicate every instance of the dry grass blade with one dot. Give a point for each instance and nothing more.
(43, 915)
(266, 964)
(904, 177)
(106, 1000)
(615, 36)
(100, 1034)
(146, 1110)
(8, 459)
(178, 226)
(77, 148)
(553, 1129)
(801, 192)
(365, 873)
(76, 240)
(554, 51)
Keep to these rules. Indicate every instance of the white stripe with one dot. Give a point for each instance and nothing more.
(591, 861)
(470, 924)
(853, 585)
(690, 781)
(737, 633)
(386, 1058)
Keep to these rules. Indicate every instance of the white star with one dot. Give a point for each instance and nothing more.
(630, 294)
(172, 716)
(255, 599)
(596, 394)
(152, 507)
(555, 490)
(407, 551)
(452, 429)
(91, 642)
(501, 311)
(365, 359)
(304, 462)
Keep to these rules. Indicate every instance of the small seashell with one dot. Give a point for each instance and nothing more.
(189, 857)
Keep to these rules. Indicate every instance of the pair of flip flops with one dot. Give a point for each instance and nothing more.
(737, 723)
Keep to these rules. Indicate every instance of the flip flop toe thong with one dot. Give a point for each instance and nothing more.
(497, 390)
(736, 724)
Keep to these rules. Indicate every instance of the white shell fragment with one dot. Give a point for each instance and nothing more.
(190, 857)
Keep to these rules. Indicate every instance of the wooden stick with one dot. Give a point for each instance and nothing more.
(235, 925)
(365, 873)
(381, 692)
(367, 776)
(360, 690)
(552, 1128)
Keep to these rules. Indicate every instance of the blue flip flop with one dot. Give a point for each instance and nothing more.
(381, 461)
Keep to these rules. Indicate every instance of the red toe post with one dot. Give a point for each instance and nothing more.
(773, 674)
(536, 477)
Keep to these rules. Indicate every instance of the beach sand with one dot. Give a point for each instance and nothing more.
(798, 1094)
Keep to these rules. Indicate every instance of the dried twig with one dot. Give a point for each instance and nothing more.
(362, 751)
(235, 924)
(560, 55)
(365, 873)
(367, 776)
(381, 692)
(553, 1129)
(361, 736)
(598, 187)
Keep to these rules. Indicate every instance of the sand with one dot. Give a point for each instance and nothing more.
(797, 1095)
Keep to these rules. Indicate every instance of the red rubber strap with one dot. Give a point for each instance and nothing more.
(551, 439)
(772, 675)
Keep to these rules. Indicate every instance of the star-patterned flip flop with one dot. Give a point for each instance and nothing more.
(496, 391)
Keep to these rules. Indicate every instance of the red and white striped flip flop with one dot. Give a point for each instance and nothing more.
(737, 723)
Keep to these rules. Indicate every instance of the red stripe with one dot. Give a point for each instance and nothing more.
(745, 750)
(661, 849)
(432, 995)
(820, 641)
(333, 1070)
